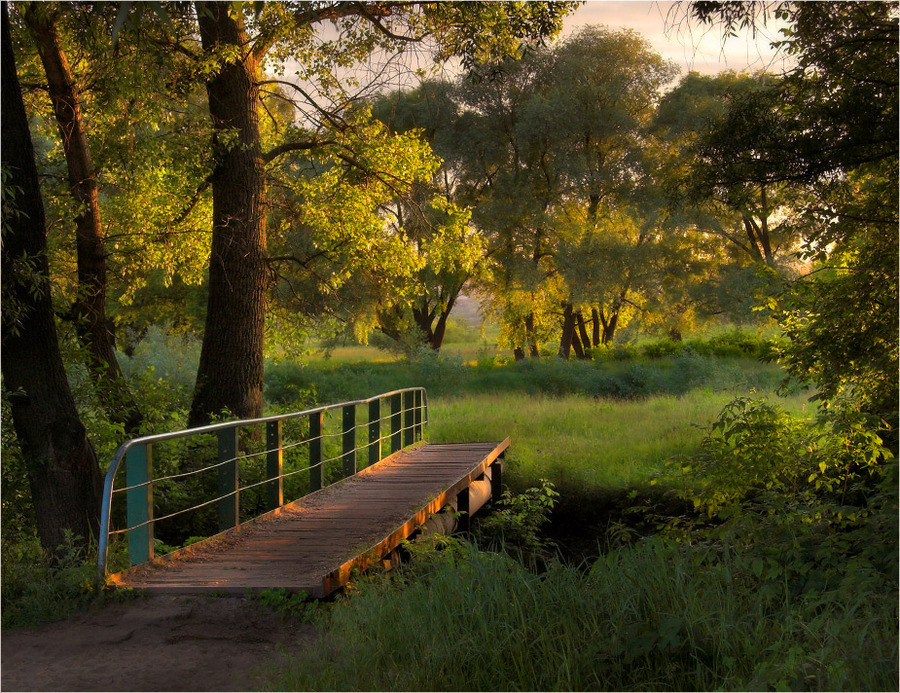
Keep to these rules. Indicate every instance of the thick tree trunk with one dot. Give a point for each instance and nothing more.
(62, 466)
(230, 375)
(568, 331)
(595, 328)
(577, 346)
(519, 354)
(583, 335)
(89, 309)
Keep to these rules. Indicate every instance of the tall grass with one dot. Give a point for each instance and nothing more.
(656, 616)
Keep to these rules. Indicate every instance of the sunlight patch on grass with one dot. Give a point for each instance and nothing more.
(578, 440)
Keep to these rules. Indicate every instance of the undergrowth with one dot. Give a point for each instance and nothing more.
(782, 577)
(38, 588)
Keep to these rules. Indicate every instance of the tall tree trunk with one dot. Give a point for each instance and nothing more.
(437, 337)
(582, 333)
(609, 325)
(230, 375)
(62, 466)
(89, 309)
(763, 230)
(595, 328)
(568, 331)
(531, 337)
(577, 346)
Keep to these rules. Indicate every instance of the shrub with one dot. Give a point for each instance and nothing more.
(517, 521)
(38, 588)
(288, 384)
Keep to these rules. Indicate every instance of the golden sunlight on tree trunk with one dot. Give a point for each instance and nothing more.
(89, 309)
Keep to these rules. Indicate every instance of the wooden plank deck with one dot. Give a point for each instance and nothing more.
(312, 544)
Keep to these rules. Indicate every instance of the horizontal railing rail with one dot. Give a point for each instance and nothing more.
(407, 417)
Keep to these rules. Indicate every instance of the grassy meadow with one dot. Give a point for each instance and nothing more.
(625, 585)
(577, 441)
(612, 577)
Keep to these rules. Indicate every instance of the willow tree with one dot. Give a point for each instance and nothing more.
(230, 374)
(837, 133)
(453, 250)
(564, 128)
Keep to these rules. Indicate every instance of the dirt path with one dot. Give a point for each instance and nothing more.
(159, 643)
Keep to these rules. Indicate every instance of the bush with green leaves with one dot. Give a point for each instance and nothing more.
(517, 520)
(39, 588)
(756, 451)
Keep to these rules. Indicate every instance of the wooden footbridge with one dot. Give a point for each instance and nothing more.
(348, 510)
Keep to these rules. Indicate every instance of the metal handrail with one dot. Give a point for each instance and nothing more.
(115, 465)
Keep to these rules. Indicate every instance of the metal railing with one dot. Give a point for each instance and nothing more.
(407, 417)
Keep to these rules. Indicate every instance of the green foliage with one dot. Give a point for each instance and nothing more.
(289, 384)
(39, 588)
(17, 511)
(833, 130)
(756, 452)
(517, 520)
(294, 604)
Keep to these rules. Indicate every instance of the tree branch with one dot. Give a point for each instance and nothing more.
(286, 147)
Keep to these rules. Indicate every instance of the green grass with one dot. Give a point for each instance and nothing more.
(655, 616)
(577, 441)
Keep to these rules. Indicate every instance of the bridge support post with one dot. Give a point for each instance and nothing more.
(396, 405)
(315, 451)
(229, 482)
(497, 479)
(408, 430)
(348, 418)
(274, 464)
(462, 507)
(374, 431)
(139, 503)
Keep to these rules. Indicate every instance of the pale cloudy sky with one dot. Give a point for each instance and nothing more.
(689, 45)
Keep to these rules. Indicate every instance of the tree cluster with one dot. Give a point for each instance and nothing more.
(243, 171)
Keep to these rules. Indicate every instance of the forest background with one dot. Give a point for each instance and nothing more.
(181, 190)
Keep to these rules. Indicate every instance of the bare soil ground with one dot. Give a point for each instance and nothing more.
(154, 643)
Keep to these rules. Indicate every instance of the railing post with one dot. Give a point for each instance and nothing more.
(396, 404)
(348, 418)
(229, 514)
(408, 432)
(274, 464)
(139, 503)
(315, 451)
(417, 408)
(374, 431)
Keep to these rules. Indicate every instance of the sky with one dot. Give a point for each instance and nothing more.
(690, 46)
